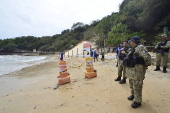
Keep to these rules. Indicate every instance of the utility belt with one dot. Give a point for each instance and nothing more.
(132, 61)
(162, 50)
(122, 56)
(166, 50)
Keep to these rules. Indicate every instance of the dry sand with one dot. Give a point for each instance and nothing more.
(97, 95)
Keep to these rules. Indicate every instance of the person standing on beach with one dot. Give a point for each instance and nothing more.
(95, 55)
(136, 62)
(91, 53)
(162, 49)
(117, 52)
(61, 56)
(121, 68)
(87, 53)
(102, 53)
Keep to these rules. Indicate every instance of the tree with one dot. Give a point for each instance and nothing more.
(76, 25)
(119, 33)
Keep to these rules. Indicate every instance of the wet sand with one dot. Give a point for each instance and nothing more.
(97, 95)
(19, 79)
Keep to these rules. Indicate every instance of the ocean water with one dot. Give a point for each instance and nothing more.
(12, 63)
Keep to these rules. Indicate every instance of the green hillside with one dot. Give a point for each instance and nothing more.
(144, 18)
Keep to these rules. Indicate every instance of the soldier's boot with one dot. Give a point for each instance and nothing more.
(135, 105)
(118, 79)
(164, 70)
(157, 68)
(117, 64)
(131, 97)
(123, 81)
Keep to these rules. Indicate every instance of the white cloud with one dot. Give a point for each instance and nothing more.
(49, 17)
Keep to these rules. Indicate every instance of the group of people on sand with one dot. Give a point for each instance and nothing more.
(133, 61)
(95, 55)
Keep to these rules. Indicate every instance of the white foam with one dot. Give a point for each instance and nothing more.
(12, 63)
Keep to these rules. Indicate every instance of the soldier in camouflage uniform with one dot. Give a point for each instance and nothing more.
(136, 62)
(162, 49)
(121, 68)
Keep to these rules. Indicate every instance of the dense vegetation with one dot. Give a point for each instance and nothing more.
(144, 18)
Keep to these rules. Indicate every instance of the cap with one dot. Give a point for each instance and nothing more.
(135, 38)
(121, 45)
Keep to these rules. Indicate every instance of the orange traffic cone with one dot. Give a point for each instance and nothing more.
(64, 75)
(91, 72)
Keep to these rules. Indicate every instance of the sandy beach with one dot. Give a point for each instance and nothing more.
(97, 95)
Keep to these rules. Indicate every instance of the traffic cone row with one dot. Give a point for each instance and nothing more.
(64, 75)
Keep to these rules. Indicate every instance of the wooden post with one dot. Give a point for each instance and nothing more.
(72, 53)
(90, 50)
(83, 53)
(77, 52)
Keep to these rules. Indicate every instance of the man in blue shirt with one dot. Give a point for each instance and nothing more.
(61, 56)
(117, 52)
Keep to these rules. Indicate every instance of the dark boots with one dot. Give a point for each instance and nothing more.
(157, 68)
(135, 105)
(131, 97)
(122, 81)
(164, 70)
(118, 79)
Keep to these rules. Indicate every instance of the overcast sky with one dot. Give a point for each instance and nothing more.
(49, 17)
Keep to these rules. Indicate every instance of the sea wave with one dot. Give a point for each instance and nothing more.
(12, 63)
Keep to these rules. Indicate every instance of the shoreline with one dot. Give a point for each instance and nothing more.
(97, 95)
(21, 62)
(31, 53)
(23, 77)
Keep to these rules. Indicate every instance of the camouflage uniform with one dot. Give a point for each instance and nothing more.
(162, 54)
(136, 74)
(121, 67)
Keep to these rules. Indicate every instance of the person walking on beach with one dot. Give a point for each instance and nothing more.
(136, 62)
(162, 49)
(121, 68)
